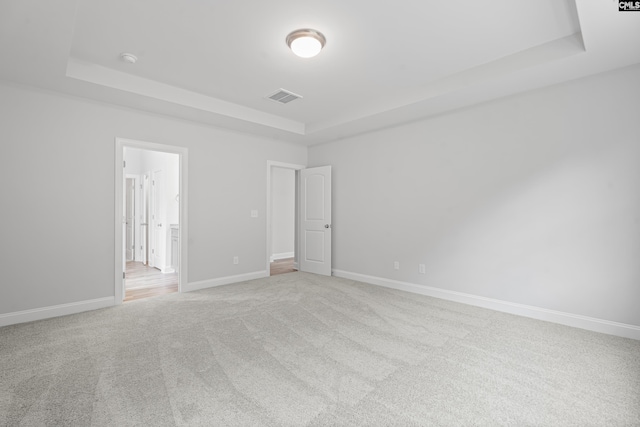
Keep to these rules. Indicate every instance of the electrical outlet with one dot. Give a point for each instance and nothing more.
(422, 269)
(396, 265)
(236, 260)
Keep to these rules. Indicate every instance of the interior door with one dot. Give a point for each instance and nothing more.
(315, 220)
(157, 227)
(144, 220)
(130, 219)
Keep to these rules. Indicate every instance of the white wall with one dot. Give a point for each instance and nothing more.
(58, 153)
(282, 212)
(533, 199)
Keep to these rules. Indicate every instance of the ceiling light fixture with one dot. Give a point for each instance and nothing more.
(306, 43)
(129, 57)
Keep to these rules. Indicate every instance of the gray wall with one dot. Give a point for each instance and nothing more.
(532, 199)
(57, 157)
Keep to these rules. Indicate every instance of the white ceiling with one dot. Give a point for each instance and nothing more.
(384, 62)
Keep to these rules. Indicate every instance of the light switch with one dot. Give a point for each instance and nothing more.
(254, 214)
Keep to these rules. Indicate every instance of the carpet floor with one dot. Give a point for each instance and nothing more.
(304, 350)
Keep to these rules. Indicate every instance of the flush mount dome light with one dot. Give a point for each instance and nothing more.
(306, 43)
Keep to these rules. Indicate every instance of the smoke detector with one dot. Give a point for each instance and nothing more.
(128, 58)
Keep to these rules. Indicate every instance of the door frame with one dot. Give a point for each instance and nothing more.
(183, 161)
(270, 165)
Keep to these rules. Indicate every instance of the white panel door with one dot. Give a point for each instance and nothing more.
(129, 219)
(144, 219)
(156, 257)
(315, 220)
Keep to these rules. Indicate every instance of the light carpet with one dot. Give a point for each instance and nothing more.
(299, 349)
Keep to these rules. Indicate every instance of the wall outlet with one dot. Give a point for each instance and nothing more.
(422, 269)
(396, 265)
(236, 260)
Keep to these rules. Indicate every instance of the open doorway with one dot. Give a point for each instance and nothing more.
(312, 218)
(151, 202)
(282, 218)
(283, 224)
(152, 215)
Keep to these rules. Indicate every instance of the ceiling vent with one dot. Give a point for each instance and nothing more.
(283, 96)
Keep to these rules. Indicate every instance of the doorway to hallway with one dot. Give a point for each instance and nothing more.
(151, 194)
(308, 195)
(152, 212)
(282, 218)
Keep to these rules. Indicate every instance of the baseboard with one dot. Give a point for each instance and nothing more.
(54, 311)
(569, 319)
(283, 255)
(204, 284)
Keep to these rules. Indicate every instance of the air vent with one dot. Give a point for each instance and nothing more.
(283, 96)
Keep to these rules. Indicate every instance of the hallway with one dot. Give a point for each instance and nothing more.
(282, 266)
(143, 282)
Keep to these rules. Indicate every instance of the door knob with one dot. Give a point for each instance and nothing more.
(327, 226)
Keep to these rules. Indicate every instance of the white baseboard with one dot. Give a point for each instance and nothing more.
(283, 255)
(569, 319)
(167, 270)
(54, 311)
(204, 284)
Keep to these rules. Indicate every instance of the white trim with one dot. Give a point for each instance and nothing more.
(569, 319)
(283, 255)
(210, 283)
(270, 165)
(54, 311)
(183, 158)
